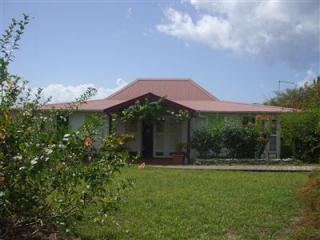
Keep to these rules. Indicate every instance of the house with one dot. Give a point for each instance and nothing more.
(157, 141)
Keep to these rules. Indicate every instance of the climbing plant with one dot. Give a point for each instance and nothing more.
(153, 110)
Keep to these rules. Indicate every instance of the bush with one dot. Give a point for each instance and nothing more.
(302, 132)
(48, 174)
(243, 141)
(207, 142)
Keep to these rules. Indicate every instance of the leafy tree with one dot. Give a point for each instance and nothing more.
(301, 129)
(300, 98)
(49, 177)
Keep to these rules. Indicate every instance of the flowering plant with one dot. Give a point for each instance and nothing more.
(45, 181)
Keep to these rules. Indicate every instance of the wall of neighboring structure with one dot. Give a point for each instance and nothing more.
(210, 120)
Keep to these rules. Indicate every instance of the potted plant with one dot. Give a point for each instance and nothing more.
(178, 156)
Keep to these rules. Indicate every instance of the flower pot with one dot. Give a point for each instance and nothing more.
(178, 159)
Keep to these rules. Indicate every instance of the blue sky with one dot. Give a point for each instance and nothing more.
(72, 44)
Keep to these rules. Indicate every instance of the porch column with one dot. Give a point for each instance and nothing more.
(188, 140)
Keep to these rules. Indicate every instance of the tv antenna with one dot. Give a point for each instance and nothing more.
(287, 82)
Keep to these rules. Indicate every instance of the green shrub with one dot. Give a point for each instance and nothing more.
(207, 142)
(48, 174)
(302, 132)
(243, 141)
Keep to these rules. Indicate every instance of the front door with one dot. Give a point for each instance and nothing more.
(147, 139)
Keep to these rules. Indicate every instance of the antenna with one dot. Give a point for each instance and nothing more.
(287, 82)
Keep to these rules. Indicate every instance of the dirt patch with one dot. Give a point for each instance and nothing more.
(307, 225)
(232, 235)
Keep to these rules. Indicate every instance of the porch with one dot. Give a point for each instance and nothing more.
(164, 141)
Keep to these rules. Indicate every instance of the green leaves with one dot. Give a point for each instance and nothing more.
(207, 142)
(152, 111)
(232, 140)
(48, 175)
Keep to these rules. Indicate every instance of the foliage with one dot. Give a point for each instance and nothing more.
(180, 115)
(152, 110)
(48, 174)
(207, 142)
(238, 141)
(302, 131)
(299, 98)
(188, 204)
(144, 110)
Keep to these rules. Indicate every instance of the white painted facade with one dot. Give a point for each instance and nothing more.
(166, 134)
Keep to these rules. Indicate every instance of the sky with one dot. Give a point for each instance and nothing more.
(238, 50)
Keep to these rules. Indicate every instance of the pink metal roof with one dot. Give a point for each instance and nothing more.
(226, 106)
(172, 89)
(182, 91)
(91, 105)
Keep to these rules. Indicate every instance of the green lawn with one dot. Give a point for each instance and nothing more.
(195, 204)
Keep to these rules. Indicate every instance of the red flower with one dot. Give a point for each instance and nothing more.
(88, 142)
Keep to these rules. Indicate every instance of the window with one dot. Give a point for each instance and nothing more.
(159, 153)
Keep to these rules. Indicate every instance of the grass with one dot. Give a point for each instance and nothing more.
(193, 204)
(308, 228)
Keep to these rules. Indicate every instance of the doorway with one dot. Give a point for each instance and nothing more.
(147, 139)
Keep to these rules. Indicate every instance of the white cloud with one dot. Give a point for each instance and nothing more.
(67, 93)
(309, 78)
(287, 31)
(129, 12)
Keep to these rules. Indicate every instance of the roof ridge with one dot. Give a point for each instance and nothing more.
(121, 89)
(185, 80)
(204, 90)
(163, 79)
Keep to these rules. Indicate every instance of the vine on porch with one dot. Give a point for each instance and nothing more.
(152, 110)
